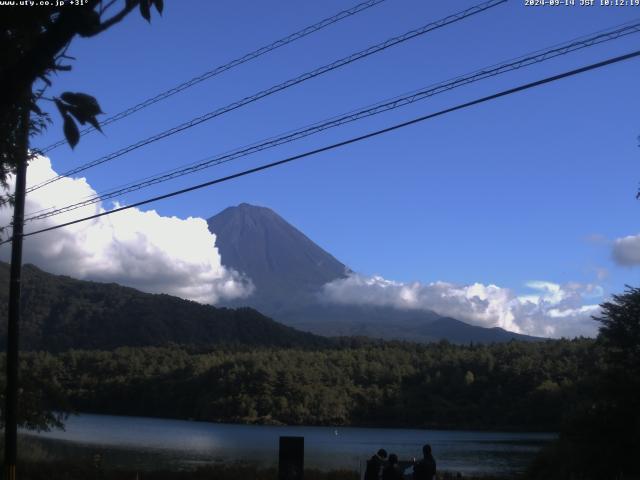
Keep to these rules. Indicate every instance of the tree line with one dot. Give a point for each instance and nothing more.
(516, 385)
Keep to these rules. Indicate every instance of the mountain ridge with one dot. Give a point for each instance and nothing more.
(60, 312)
(289, 271)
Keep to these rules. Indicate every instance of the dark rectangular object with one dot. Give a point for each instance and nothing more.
(291, 458)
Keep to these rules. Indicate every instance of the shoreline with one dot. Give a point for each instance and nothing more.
(380, 426)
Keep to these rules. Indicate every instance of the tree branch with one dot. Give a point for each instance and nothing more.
(38, 60)
(104, 8)
(117, 18)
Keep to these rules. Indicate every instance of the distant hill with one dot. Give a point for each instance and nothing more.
(289, 270)
(61, 313)
(390, 323)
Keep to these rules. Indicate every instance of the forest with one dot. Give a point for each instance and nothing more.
(517, 385)
(62, 313)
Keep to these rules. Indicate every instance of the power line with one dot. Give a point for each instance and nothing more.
(343, 143)
(227, 66)
(282, 86)
(487, 72)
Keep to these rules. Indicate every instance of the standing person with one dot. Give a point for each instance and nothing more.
(391, 471)
(374, 465)
(425, 469)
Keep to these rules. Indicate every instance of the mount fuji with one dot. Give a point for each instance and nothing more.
(289, 270)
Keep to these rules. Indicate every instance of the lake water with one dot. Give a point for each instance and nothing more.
(146, 442)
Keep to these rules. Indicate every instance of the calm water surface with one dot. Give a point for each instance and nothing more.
(149, 442)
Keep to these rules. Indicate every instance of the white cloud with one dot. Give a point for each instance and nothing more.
(572, 312)
(626, 250)
(551, 310)
(141, 249)
(548, 292)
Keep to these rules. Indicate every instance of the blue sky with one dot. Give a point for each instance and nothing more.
(535, 186)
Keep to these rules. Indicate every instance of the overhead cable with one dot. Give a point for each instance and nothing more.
(279, 87)
(223, 68)
(384, 106)
(343, 143)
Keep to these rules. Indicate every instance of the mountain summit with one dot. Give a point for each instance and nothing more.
(289, 271)
(283, 263)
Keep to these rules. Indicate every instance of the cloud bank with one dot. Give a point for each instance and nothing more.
(626, 250)
(550, 310)
(140, 249)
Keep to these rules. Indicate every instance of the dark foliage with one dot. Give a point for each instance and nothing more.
(43, 400)
(33, 46)
(516, 385)
(57, 470)
(601, 439)
(60, 313)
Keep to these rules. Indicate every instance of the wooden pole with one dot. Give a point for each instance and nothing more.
(11, 396)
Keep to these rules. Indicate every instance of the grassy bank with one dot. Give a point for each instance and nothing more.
(44, 459)
(37, 462)
(84, 471)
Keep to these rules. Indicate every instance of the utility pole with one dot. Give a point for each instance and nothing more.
(11, 395)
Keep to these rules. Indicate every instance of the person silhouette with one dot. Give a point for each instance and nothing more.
(374, 465)
(392, 471)
(425, 469)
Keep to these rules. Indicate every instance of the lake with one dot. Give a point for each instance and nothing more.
(150, 442)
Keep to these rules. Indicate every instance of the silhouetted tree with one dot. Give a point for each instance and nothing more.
(620, 330)
(33, 46)
(33, 43)
(618, 396)
(601, 439)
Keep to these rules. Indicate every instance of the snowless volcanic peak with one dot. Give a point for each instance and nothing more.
(281, 261)
(289, 271)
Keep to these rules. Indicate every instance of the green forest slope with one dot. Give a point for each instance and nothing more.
(60, 313)
(518, 385)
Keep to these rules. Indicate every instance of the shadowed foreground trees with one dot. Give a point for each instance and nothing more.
(42, 398)
(34, 39)
(601, 440)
